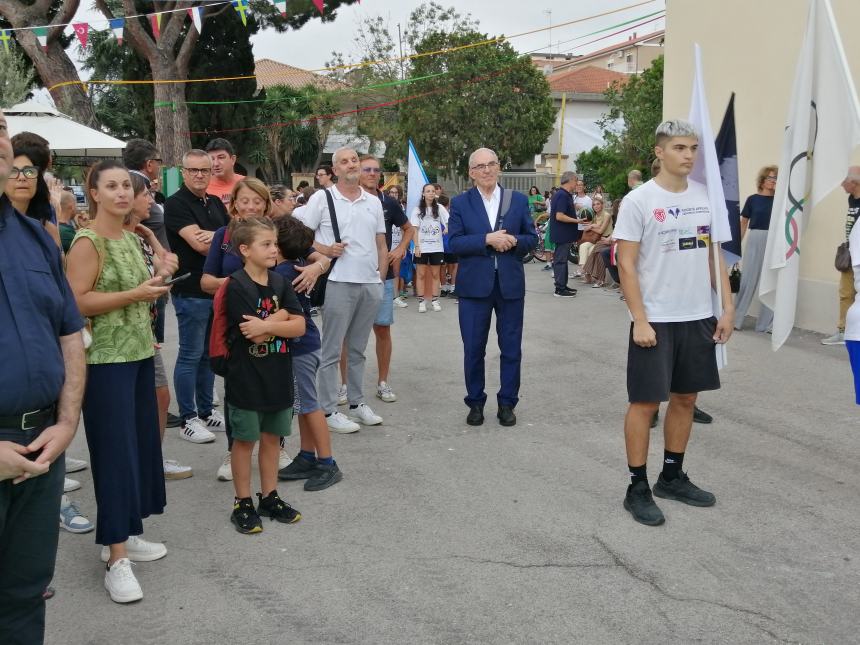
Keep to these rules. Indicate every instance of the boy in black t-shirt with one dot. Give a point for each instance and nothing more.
(262, 312)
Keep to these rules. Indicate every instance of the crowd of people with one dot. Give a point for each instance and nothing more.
(278, 290)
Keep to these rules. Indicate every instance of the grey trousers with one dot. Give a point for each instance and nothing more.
(753, 262)
(348, 315)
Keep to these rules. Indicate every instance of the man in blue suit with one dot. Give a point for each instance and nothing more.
(490, 229)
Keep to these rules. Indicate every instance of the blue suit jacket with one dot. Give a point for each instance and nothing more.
(467, 232)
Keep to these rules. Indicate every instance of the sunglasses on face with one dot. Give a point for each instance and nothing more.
(30, 172)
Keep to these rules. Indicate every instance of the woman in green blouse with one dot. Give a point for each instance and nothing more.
(113, 288)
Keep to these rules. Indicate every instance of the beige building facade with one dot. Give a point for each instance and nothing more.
(751, 48)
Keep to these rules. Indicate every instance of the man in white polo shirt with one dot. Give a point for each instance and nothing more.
(355, 285)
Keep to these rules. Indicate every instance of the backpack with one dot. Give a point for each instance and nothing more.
(223, 335)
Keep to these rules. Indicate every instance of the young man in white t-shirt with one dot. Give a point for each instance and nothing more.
(666, 266)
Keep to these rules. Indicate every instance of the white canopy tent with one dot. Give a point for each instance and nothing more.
(66, 137)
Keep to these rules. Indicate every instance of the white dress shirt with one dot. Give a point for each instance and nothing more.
(492, 205)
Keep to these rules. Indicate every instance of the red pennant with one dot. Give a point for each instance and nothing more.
(82, 31)
(155, 21)
(319, 5)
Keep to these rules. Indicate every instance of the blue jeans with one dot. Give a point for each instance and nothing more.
(193, 378)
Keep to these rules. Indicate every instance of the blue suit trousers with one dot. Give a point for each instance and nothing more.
(475, 316)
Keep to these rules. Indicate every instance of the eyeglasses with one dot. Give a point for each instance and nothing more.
(481, 167)
(371, 171)
(158, 159)
(322, 174)
(770, 178)
(198, 171)
(30, 172)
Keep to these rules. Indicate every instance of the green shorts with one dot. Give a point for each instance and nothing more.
(246, 425)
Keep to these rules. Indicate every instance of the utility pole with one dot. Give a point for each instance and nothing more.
(549, 13)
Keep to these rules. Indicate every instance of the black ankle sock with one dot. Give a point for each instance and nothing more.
(672, 463)
(638, 474)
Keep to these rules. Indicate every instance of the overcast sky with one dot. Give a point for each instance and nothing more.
(311, 46)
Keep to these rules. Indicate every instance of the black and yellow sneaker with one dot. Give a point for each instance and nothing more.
(245, 517)
(274, 507)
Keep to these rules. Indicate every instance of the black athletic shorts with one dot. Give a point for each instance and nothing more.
(430, 258)
(451, 258)
(683, 361)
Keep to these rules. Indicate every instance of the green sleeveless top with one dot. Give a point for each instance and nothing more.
(122, 335)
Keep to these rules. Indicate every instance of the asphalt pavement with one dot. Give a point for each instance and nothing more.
(443, 533)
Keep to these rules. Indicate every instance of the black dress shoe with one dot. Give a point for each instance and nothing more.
(476, 415)
(700, 416)
(506, 416)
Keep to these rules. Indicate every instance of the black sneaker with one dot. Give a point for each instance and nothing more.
(275, 508)
(683, 490)
(245, 517)
(640, 503)
(299, 468)
(324, 476)
(564, 293)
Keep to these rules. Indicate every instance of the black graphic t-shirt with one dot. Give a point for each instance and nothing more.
(260, 375)
(853, 214)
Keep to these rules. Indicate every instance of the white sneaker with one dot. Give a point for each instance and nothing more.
(194, 430)
(342, 395)
(364, 415)
(174, 470)
(384, 392)
(70, 484)
(215, 422)
(437, 306)
(74, 465)
(339, 423)
(225, 470)
(836, 339)
(139, 550)
(121, 583)
(400, 301)
(284, 459)
(422, 307)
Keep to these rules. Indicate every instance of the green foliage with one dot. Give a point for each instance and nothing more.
(224, 49)
(489, 96)
(124, 110)
(297, 145)
(16, 78)
(484, 95)
(603, 166)
(639, 103)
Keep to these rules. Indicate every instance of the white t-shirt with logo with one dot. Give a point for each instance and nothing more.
(674, 235)
(430, 229)
(359, 223)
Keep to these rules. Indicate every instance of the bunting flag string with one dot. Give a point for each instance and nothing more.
(116, 26)
(5, 36)
(82, 30)
(241, 7)
(319, 4)
(281, 5)
(42, 36)
(155, 21)
(196, 14)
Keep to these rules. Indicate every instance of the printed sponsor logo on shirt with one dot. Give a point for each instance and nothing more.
(703, 235)
(660, 215)
(675, 212)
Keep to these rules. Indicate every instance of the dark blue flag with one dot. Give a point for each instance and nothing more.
(727, 156)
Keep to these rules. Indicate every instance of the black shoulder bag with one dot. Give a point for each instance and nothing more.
(317, 295)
